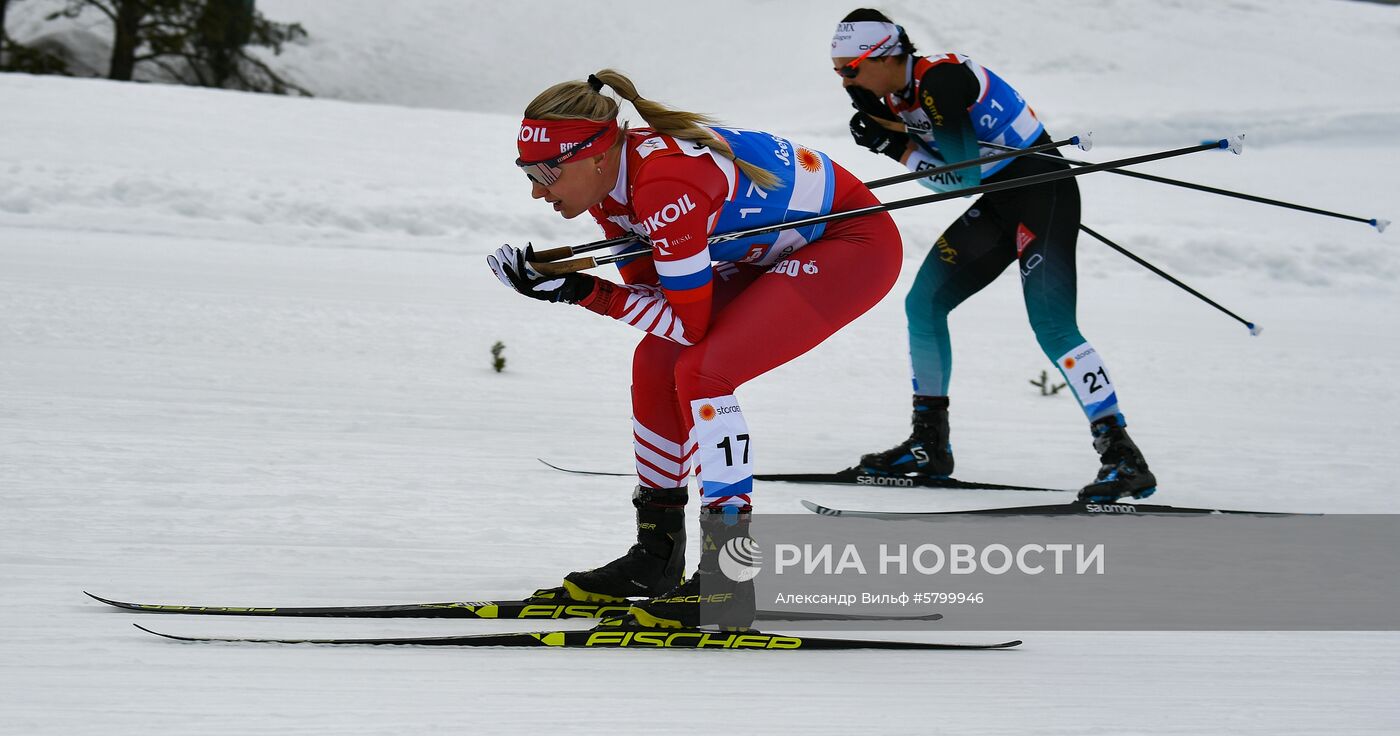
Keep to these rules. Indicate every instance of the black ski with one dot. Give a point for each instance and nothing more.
(505, 609)
(853, 477)
(1075, 508)
(616, 638)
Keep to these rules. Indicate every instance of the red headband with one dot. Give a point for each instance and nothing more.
(543, 140)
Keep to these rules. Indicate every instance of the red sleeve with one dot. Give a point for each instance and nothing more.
(635, 270)
(673, 198)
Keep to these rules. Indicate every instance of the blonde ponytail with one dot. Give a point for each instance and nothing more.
(571, 100)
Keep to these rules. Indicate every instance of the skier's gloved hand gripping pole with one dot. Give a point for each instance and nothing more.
(1083, 142)
(1234, 144)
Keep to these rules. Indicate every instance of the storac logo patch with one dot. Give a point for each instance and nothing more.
(707, 412)
(809, 160)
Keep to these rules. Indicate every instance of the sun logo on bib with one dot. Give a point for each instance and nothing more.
(809, 160)
(1069, 364)
(707, 412)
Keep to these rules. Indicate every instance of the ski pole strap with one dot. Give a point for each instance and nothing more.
(1234, 144)
(1376, 223)
(560, 268)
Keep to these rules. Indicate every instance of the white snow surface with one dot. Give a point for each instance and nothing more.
(244, 359)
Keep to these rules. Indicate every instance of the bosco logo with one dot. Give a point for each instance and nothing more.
(531, 134)
(707, 412)
(794, 268)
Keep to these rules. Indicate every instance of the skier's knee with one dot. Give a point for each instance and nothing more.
(916, 306)
(1055, 336)
(697, 377)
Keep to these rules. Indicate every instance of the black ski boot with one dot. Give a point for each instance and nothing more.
(926, 453)
(1124, 471)
(720, 593)
(652, 566)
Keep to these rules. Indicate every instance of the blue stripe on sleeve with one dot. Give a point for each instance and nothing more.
(691, 281)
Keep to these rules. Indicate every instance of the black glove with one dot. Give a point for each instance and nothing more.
(877, 137)
(867, 102)
(512, 266)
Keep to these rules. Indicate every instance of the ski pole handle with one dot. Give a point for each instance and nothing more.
(560, 268)
(564, 251)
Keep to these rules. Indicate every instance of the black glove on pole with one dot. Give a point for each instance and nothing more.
(512, 266)
(867, 102)
(877, 137)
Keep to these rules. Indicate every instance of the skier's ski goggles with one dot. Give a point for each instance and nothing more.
(852, 68)
(547, 172)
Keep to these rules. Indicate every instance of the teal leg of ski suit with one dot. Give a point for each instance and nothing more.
(1036, 228)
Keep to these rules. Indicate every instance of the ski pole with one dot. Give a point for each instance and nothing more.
(1234, 144)
(564, 251)
(1083, 142)
(1376, 223)
(1253, 328)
